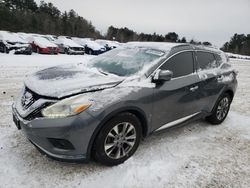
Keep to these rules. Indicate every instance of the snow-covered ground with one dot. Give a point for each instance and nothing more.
(197, 155)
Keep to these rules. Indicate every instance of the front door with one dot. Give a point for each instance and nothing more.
(179, 97)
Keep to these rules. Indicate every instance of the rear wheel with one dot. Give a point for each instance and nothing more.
(118, 139)
(220, 110)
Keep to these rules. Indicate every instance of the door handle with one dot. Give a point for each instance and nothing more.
(193, 88)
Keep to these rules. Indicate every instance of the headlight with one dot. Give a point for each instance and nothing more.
(67, 107)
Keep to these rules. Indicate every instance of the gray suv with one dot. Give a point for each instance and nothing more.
(101, 109)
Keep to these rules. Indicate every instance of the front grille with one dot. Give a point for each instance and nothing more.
(52, 49)
(28, 98)
(30, 104)
(77, 49)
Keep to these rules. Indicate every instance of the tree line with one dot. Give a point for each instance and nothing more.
(45, 18)
(238, 44)
(27, 16)
(125, 35)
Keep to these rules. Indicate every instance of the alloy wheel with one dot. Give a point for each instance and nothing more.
(223, 108)
(120, 140)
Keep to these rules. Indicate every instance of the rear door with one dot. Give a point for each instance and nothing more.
(178, 97)
(209, 74)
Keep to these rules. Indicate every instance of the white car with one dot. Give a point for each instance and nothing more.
(108, 44)
(91, 47)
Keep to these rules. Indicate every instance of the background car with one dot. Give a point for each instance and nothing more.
(51, 38)
(108, 44)
(91, 47)
(11, 41)
(68, 46)
(42, 46)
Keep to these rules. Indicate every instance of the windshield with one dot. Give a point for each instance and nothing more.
(126, 61)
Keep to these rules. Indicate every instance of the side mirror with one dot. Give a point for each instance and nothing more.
(162, 76)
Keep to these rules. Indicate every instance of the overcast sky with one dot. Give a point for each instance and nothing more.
(205, 20)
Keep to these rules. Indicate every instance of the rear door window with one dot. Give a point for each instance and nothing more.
(206, 60)
(181, 64)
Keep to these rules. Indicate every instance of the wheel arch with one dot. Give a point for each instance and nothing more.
(230, 93)
(133, 110)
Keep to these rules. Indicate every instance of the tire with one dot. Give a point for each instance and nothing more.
(6, 50)
(66, 51)
(220, 110)
(112, 149)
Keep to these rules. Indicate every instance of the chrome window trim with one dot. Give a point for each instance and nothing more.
(194, 71)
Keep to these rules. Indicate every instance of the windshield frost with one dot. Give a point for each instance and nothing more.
(126, 61)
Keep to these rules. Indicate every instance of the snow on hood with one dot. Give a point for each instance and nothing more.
(88, 42)
(66, 80)
(42, 42)
(94, 45)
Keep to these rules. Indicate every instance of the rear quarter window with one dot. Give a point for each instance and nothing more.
(206, 60)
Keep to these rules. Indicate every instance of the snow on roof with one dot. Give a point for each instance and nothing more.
(67, 42)
(163, 46)
(89, 42)
(11, 37)
(107, 42)
(42, 42)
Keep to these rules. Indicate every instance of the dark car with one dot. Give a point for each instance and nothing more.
(4, 47)
(109, 45)
(102, 109)
(19, 48)
(91, 47)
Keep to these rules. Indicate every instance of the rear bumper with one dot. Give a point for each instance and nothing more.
(46, 135)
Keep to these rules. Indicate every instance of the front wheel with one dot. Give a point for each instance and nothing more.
(220, 110)
(6, 50)
(118, 139)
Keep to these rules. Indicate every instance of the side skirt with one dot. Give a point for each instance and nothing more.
(181, 121)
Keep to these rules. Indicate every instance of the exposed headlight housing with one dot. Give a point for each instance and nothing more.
(67, 107)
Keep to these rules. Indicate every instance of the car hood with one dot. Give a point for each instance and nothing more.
(62, 81)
